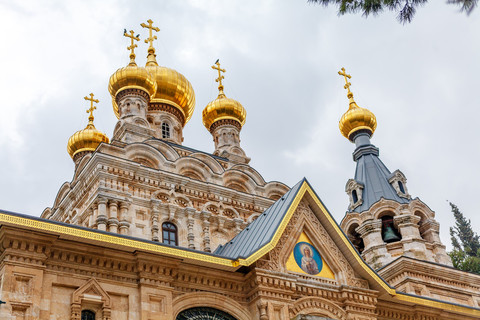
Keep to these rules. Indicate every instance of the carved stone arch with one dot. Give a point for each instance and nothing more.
(230, 213)
(317, 307)
(193, 168)
(350, 229)
(64, 189)
(161, 195)
(418, 205)
(91, 296)
(212, 300)
(381, 207)
(144, 154)
(252, 218)
(254, 174)
(238, 151)
(275, 190)
(165, 149)
(239, 181)
(211, 207)
(183, 201)
(141, 121)
(214, 165)
(81, 164)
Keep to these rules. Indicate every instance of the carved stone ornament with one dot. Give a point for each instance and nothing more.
(353, 185)
(399, 183)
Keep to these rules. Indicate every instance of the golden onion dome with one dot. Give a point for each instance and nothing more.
(173, 89)
(87, 139)
(223, 108)
(356, 118)
(131, 76)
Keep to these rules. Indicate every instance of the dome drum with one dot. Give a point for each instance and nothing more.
(225, 122)
(167, 107)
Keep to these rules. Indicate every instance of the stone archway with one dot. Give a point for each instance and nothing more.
(204, 313)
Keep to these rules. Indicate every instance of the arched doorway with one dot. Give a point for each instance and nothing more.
(204, 313)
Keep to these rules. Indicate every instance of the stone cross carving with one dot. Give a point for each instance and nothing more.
(150, 28)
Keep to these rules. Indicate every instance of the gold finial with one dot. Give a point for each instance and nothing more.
(220, 76)
(132, 45)
(151, 37)
(92, 107)
(347, 84)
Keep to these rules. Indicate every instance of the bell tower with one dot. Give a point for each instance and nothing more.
(383, 221)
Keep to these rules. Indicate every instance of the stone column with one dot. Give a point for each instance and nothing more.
(91, 220)
(206, 231)
(375, 252)
(155, 214)
(102, 214)
(113, 220)
(190, 224)
(124, 225)
(413, 244)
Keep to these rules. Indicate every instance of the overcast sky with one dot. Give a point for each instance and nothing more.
(282, 58)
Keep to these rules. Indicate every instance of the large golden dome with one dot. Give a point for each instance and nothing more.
(223, 108)
(87, 139)
(131, 77)
(173, 89)
(356, 119)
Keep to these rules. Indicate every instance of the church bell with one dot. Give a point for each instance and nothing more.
(389, 234)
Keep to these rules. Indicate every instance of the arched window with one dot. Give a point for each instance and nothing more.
(165, 130)
(169, 233)
(204, 313)
(88, 315)
(400, 186)
(354, 196)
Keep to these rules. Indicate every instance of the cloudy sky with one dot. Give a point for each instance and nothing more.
(282, 59)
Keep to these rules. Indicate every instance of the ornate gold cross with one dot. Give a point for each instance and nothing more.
(346, 76)
(150, 29)
(220, 77)
(92, 107)
(132, 38)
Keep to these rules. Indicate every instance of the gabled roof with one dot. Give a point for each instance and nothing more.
(374, 175)
(261, 231)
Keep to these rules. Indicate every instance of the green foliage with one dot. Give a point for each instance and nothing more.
(466, 243)
(405, 9)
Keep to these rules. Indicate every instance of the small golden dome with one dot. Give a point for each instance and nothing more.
(223, 108)
(131, 77)
(87, 139)
(356, 118)
(173, 89)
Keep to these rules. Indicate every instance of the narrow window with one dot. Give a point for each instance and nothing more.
(354, 196)
(165, 130)
(400, 186)
(169, 232)
(88, 315)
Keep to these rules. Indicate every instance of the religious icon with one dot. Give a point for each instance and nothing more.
(308, 258)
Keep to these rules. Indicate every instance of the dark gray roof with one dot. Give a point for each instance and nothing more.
(261, 231)
(374, 175)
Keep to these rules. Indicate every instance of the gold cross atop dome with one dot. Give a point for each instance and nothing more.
(216, 66)
(92, 107)
(151, 37)
(132, 45)
(347, 84)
